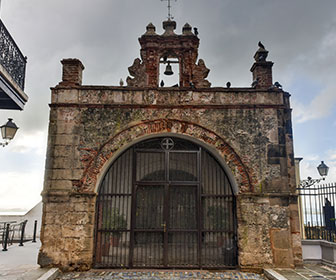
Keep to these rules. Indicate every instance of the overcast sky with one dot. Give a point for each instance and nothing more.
(300, 36)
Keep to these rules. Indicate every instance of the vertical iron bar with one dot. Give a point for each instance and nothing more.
(129, 198)
(23, 226)
(120, 211)
(110, 200)
(198, 208)
(166, 218)
(304, 196)
(320, 214)
(35, 228)
(311, 211)
(333, 187)
(329, 198)
(6, 238)
(324, 230)
(316, 211)
(133, 205)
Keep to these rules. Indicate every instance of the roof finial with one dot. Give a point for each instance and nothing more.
(170, 17)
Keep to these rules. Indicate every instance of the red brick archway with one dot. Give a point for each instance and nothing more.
(95, 160)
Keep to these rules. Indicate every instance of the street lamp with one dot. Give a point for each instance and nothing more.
(8, 131)
(322, 170)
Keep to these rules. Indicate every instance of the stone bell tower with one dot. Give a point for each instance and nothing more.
(168, 48)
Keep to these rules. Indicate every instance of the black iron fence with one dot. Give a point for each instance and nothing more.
(317, 207)
(11, 57)
(11, 232)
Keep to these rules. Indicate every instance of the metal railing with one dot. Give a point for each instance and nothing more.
(317, 205)
(10, 232)
(11, 57)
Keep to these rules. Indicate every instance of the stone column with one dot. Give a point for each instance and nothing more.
(262, 70)
(72, 72)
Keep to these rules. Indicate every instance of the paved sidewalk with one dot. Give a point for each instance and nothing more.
(307, 272)
(21, 262)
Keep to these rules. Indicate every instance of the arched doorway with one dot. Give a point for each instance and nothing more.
(165, 202)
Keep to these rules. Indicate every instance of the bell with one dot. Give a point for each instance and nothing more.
(169, 70)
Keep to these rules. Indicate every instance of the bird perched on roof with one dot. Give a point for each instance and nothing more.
(277, 85)
(162, 83)
(195, 31)
(260, 45)
(121, 82)
(255, 83)
(228, 84)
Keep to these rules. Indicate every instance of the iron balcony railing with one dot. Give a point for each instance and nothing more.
(11, 57)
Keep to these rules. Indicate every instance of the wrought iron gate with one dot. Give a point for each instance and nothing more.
(165, 202)
(317, 207)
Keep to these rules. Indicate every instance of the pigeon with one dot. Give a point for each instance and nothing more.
(255, 83)
(192, 85)
(277, 85)
(260, 45)
(121, 82)
(162, 83)
(195, 31)
(228, 84)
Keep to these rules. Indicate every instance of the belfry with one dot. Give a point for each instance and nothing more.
(148, 175)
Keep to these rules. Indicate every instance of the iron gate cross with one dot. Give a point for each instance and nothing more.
(167, 143)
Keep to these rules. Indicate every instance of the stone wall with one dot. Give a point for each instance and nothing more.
(249, 128)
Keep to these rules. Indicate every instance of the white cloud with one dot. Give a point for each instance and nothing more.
(321, 106)
(20, 190)
(30, 142)
(332, 154)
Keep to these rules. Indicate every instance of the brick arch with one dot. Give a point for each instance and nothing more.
(96, 160)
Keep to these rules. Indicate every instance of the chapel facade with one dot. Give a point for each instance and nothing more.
(186, 176)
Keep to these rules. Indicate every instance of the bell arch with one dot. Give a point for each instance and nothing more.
(165, 202)
(169, 70)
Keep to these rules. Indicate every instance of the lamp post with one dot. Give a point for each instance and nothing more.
(322, 170)
(303, 187)
(8, 132)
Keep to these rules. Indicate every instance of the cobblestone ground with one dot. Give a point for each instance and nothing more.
(158, 275)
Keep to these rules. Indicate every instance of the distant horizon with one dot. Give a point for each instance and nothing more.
(16, 210)
(12, 213)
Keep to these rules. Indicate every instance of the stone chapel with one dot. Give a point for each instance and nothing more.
(145, 175)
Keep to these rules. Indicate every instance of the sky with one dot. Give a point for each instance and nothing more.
(300, 36)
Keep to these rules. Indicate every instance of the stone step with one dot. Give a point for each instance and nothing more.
(159, 275)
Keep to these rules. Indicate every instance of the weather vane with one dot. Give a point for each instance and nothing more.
(169, 9)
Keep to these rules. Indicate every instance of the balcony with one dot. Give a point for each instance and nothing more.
(12, 72)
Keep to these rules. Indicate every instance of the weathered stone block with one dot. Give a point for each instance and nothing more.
(64, 140)
(280, 239)
(67, 96)
(283, 258)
